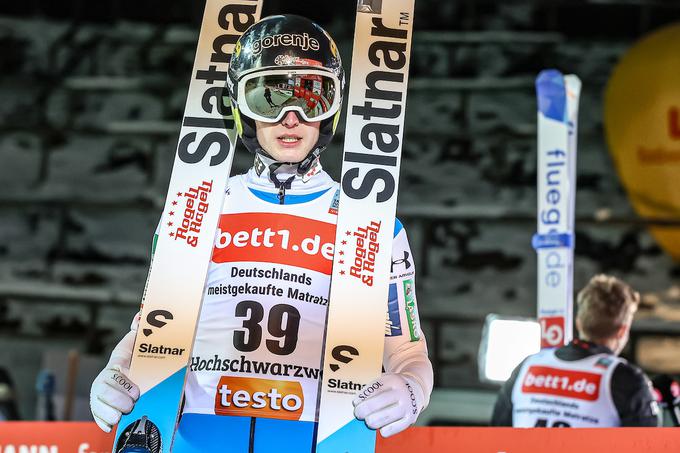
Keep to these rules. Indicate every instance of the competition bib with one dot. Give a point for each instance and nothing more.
(257, 352)
(550, 392)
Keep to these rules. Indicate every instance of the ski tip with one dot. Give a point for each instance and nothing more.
(557, 94)
(573, 85)
(549, 76)
(551, 94)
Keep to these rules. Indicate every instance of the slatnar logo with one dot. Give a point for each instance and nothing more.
(152, 319)
(337, 354)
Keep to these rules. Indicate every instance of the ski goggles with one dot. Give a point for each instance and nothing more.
(314, 94)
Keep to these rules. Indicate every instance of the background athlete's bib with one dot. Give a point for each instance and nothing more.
(550, 392)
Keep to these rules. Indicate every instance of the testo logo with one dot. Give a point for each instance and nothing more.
(252, 397)
(567, 383)
(275, 238)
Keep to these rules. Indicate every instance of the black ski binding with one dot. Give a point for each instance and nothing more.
(141, 436)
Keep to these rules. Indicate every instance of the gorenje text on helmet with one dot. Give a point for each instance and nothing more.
(303, 41)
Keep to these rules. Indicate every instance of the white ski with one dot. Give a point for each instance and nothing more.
(174, 290)
(558, 98)
(362, 259)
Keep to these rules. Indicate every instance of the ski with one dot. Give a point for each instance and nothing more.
(355, 328)
(175, 284)
(558, 98)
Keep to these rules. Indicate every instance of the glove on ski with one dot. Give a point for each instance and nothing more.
(391, 403)
(112, 393)
(111, 396)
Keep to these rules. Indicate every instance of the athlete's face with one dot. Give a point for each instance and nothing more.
(289, 140)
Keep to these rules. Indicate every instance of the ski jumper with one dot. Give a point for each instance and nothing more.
(256, 364)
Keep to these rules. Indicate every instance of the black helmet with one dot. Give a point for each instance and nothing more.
(285, 63)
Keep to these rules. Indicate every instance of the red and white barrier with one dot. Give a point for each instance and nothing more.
(81, 437)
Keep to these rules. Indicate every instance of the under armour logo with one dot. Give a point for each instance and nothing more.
(404, 261)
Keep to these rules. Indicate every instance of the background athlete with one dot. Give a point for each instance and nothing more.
(256, 361)
(268, 97)
(585, 383)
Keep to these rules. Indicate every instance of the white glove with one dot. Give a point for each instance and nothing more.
(112, 393)
(391, 403)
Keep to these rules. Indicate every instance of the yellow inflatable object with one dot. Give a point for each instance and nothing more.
(642, 123)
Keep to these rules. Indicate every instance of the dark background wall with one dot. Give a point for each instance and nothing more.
(91, 97)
